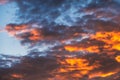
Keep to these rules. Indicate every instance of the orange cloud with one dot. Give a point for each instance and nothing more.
(111, 39)
(35, 35)
(77, 48)
(117, 58)
(79, 67)
(13, 29)
(24, 32)
(17, 76)
(101, 74)
(82, 66)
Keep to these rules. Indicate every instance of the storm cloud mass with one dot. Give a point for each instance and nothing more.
(66, 40)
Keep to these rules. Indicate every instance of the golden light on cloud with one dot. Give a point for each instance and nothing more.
(79, 67)
(111, 39)
(107, 74)
(111, 42)
(11, 27)
(16, 29)
(82, 66)
(101, 74)
(35, 35)
(17, 76)
(117, 58)
(77, 48)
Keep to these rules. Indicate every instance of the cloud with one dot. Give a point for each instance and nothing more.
(117, 58)
(30, 68)
(14, 29)
(68, 13)
(66, 40)
(100, 42)
(90, 66)
(110, 38)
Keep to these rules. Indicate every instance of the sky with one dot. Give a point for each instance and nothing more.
(59, 40)
(9, 45)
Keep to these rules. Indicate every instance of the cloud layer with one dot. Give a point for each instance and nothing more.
(68, 40)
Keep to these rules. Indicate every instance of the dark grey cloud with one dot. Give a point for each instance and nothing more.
(65, 12)
(50, 67)
(30, 68)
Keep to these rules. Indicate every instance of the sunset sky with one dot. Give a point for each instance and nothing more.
(59, 39)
